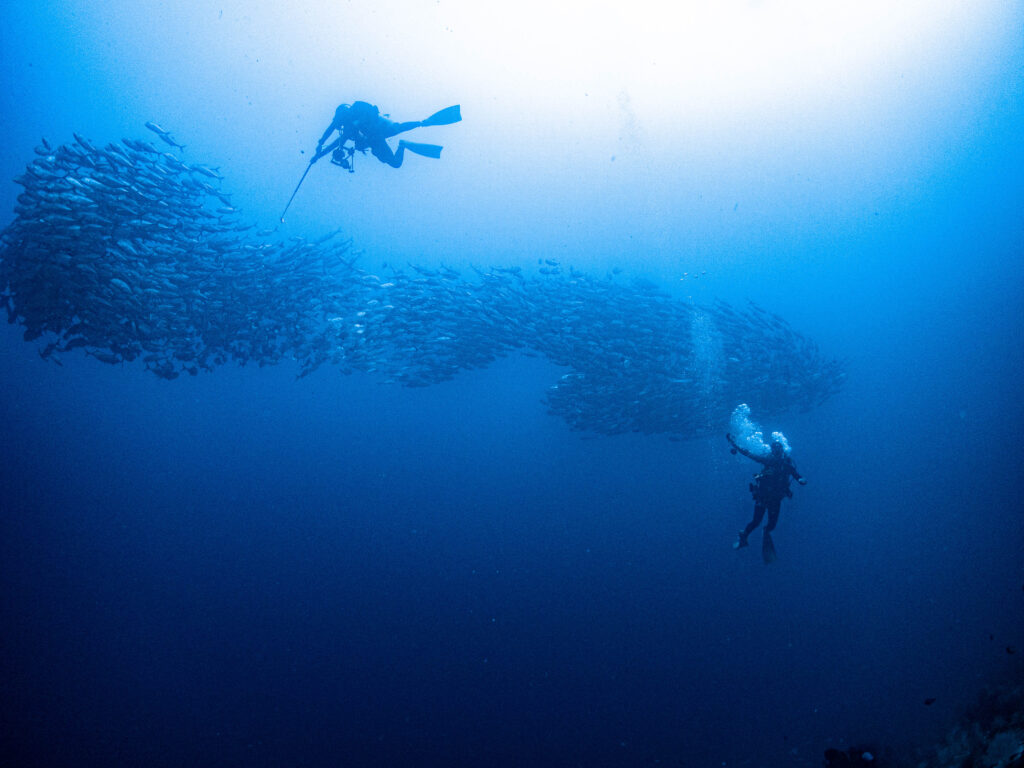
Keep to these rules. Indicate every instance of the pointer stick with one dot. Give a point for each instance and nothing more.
(297, 188)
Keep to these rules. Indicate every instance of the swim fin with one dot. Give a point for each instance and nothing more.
(768, 548)
(426, 150)
(446, 116)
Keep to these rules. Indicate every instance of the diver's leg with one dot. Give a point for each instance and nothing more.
(751, 526)
(767, 545)
(773, 515)
(383, 152)
(387, 128)
(758, 517)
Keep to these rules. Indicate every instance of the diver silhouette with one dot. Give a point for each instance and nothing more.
(362, 124)
(770, 487)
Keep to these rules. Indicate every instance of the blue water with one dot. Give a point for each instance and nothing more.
(245, 569)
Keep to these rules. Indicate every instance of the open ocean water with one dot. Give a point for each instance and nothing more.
(489, 521)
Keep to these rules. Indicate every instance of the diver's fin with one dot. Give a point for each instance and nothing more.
(446, 116)
(768, 548)
(427, 150)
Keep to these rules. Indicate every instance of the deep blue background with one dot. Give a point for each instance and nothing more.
(245, 569)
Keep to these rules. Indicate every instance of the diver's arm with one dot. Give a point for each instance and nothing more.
(321, 151)
(737, 449)
(796, 475)
(334, 126)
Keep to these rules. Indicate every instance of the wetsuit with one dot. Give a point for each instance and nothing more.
(770, 487)
(362, 124)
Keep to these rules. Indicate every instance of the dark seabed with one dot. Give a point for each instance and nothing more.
(451, 487)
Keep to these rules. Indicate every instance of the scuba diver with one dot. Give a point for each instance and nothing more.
(362, 124)
(770, 487)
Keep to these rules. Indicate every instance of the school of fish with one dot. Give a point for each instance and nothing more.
(132, 255)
